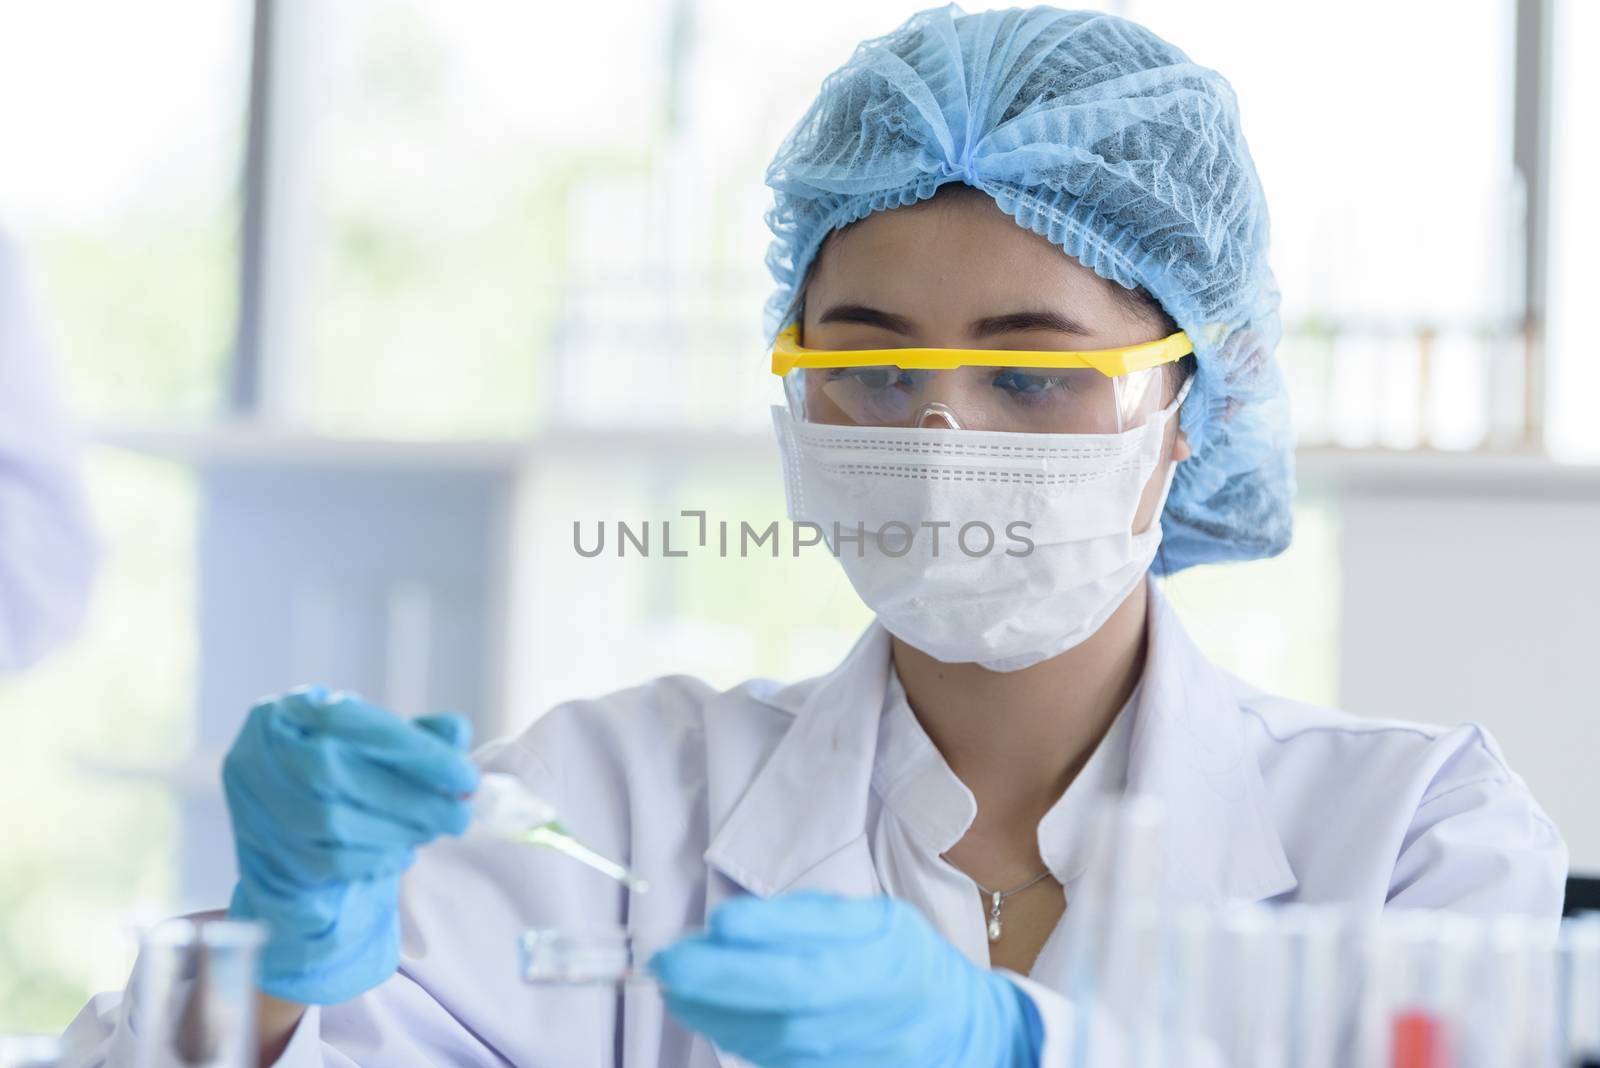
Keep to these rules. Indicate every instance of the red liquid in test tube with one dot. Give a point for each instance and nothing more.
(1418, 1041)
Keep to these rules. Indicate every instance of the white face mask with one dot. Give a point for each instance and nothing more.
(935, 578)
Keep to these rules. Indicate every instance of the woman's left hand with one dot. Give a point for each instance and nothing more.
(813, 979)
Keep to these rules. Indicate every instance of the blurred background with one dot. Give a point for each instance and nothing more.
(354, 302)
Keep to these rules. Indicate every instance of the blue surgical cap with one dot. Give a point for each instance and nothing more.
(1101, 137)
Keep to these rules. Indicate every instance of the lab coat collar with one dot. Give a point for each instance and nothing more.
(802, 824)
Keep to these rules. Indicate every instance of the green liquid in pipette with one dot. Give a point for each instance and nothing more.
(554, 836)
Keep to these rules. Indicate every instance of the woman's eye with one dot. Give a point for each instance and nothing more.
(867, 377)
(1014, 381)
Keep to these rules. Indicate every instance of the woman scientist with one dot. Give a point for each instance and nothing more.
(1022, 286)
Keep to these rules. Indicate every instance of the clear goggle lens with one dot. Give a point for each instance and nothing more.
(1071, 400)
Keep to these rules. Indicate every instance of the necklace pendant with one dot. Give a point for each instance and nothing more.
(994, 928)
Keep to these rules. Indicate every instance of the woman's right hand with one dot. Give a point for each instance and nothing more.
(329, 798)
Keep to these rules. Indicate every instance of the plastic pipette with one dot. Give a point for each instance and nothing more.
(507, 807)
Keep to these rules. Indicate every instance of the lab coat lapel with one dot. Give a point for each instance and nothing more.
(1190, 751)
(802, 822)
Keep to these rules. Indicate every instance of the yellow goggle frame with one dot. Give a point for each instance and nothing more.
(788, 354)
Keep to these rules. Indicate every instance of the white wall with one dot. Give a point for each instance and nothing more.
(1471, 591)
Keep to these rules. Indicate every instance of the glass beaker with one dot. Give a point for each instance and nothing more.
(196, 994)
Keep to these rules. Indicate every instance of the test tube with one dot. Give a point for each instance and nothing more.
(1132, 988)
(196, 1000)
(1282, 966)
(1121, 879)
(1580, 975)
(1416, 1006)
(1317, 1000)
(1185, 1000)
(1517, 1021)
(1253, 951)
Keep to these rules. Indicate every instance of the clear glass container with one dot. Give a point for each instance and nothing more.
(1580, 974)
(196, 999)
(29, 1051)
(592, 956)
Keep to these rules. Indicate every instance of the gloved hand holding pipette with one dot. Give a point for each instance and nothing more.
(329, 798)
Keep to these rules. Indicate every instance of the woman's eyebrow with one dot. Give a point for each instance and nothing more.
(985, 327)
(1028, 320)
(866, 316)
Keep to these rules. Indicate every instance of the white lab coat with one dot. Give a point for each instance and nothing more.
(765, 789)
(47, 546)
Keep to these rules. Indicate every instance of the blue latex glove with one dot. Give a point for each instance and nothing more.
(812, 979)
(329, 799)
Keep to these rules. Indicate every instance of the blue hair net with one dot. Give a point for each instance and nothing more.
(1098, 135)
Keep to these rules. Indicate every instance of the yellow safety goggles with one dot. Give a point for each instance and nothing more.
(789, 355)
(1095, 392)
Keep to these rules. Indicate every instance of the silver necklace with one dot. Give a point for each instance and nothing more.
(998, 897)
